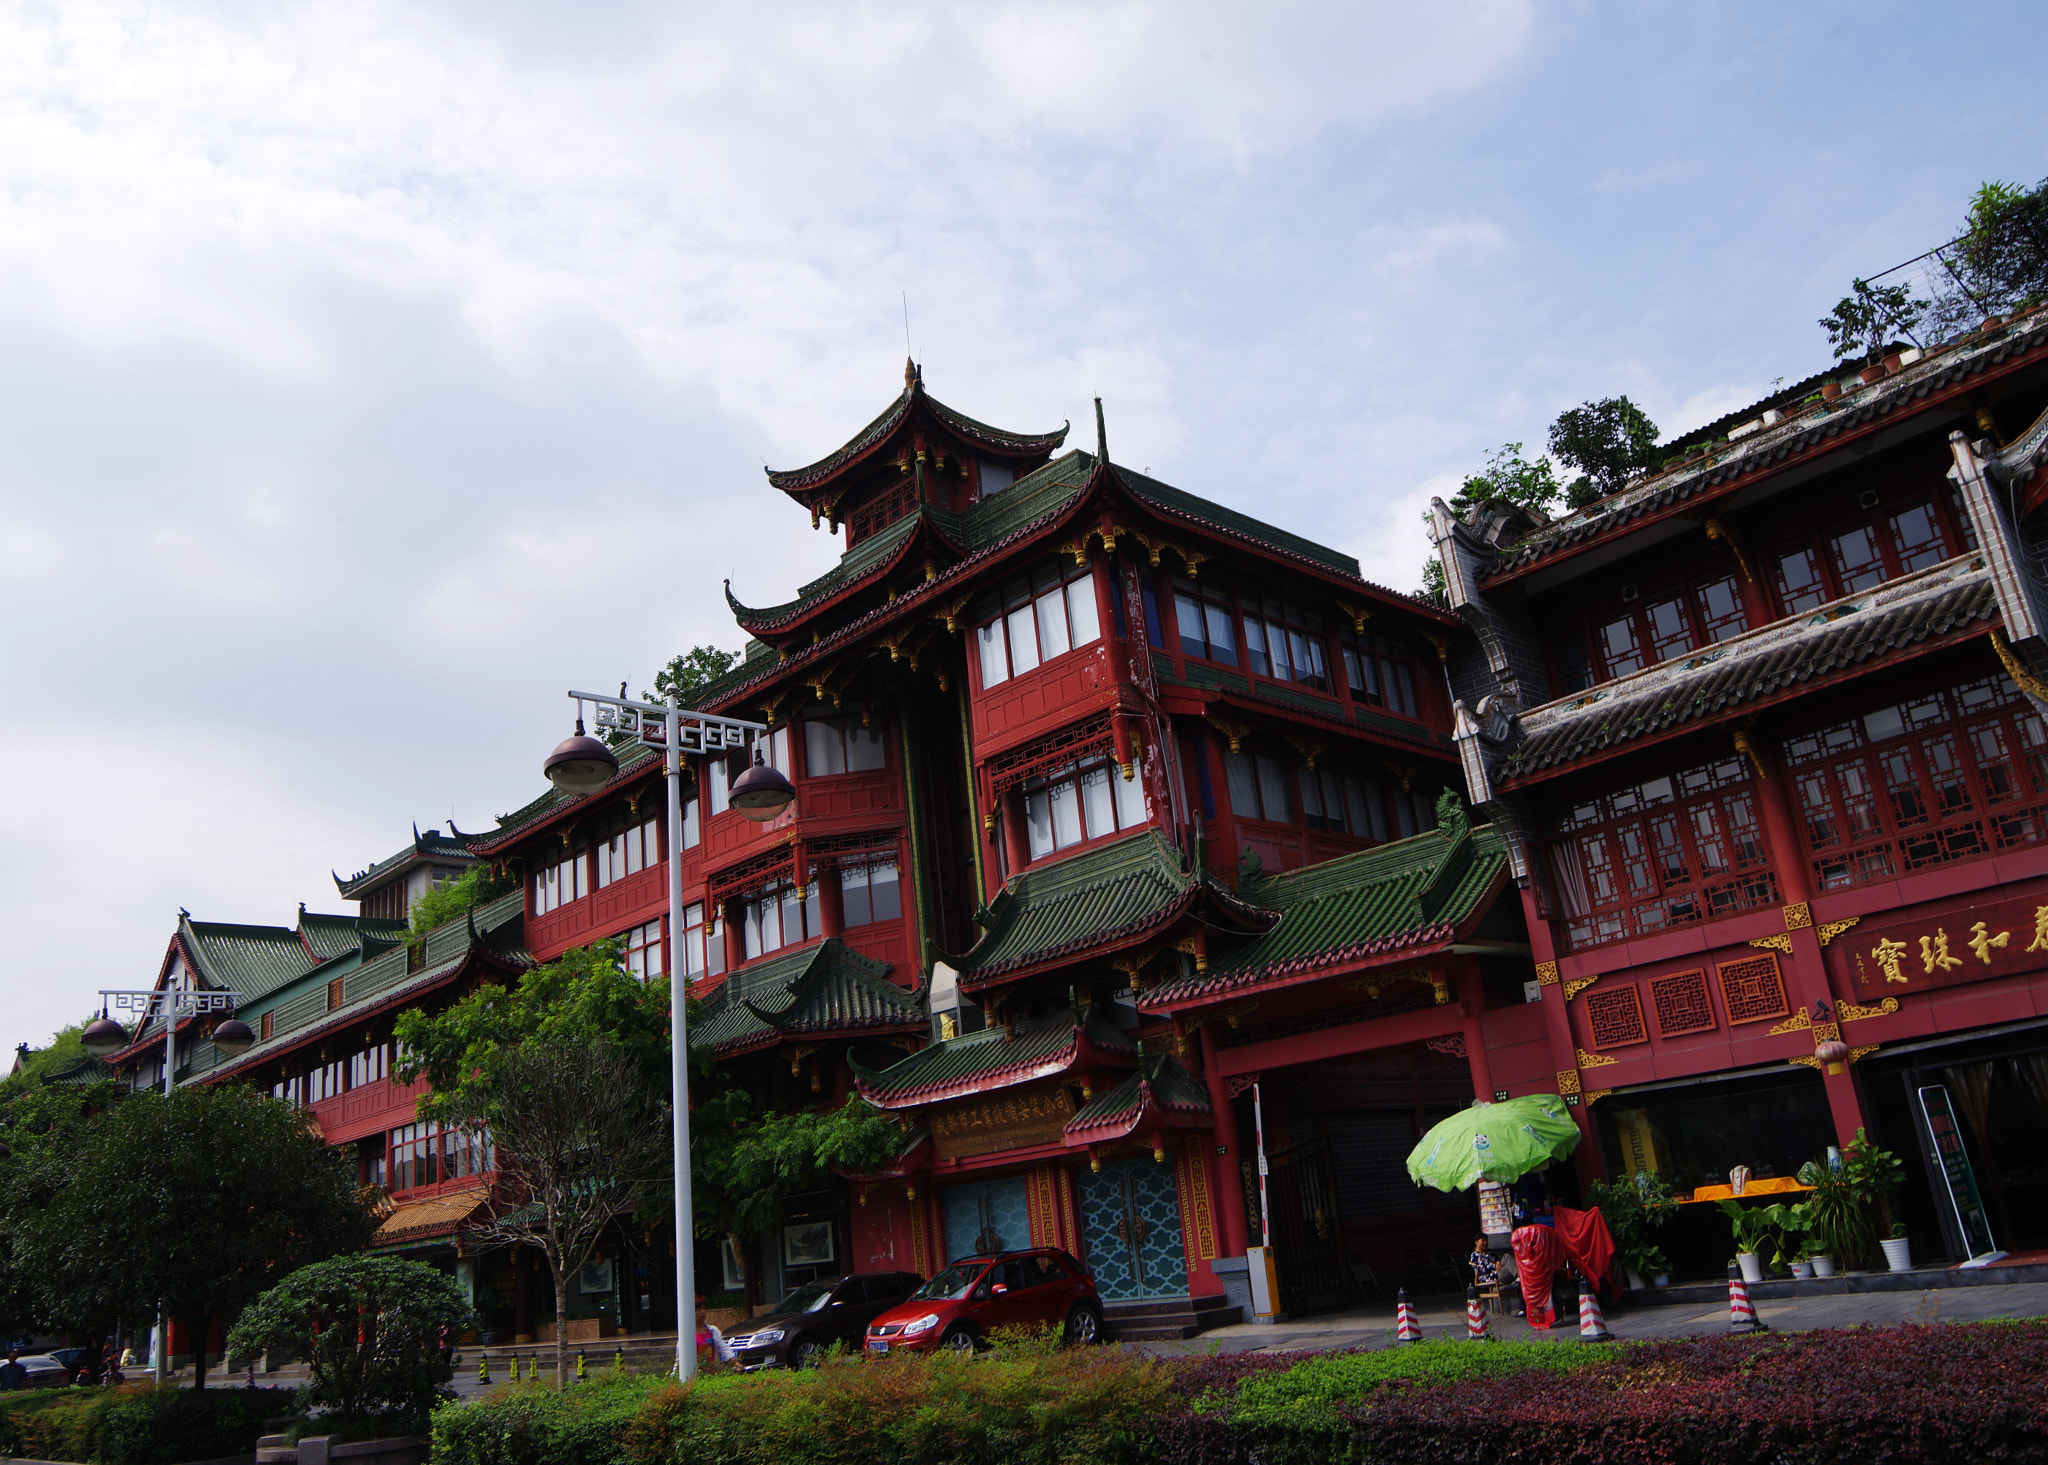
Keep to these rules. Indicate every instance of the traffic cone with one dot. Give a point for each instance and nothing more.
(581, 1372)
(1477, 1328)
(1592, 1322)
(483, 1368)
(1407, 1326)
(1742, 1316)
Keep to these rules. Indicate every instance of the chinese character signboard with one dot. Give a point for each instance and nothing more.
(1010, 1122)
(1946, 947)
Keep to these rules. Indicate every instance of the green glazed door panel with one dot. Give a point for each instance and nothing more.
(1130, 1223)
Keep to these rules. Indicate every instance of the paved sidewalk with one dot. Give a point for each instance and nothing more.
(1373, 1326)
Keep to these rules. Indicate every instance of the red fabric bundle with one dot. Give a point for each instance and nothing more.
(1589, 1243)
(1538, 1254)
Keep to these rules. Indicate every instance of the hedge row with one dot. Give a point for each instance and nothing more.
(1920, 1394)
(137, 1424)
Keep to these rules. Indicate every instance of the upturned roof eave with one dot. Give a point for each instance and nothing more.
(874, 439)
(793, 617)
(1231, 986)
(632, 769)
(1420, 739)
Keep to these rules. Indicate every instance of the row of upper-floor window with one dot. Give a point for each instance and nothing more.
(1951, 774)
(1648, 624)
(1032, 620)
(338, 1075)
(1337, 796)
(414, 1155)
(769, 917)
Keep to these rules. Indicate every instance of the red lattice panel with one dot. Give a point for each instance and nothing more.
(1681, 1004)
(1753, 989)
(1614, 1017)
(1067, 746)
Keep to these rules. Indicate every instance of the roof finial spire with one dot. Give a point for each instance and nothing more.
(909, 373)
(1101, 434)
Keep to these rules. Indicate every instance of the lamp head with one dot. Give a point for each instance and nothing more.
(103, 1036)
(761, 792)
(233, 1037)
(580, 764)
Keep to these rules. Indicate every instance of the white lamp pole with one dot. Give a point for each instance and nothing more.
(583, 765)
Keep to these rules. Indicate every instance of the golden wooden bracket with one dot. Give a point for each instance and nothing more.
(1358, 615)
(1576, 986)
(1725, 532)
(1546, 974)
(1798, 1022)
(1798, 916)
(1747, 749)
(1594, 1060)
(1234, 733)
(1829, 930)
(1779, 942)
(1851, 1012)
(1568, 1081)
(1306, 748)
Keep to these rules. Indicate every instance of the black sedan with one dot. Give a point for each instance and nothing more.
(816, 1316)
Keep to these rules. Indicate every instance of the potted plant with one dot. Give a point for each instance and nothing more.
(1867, 319)
(1633, 1208)
(1838, 1216)
(1760, 1235)
(1802, 1260)
(1898, 1251)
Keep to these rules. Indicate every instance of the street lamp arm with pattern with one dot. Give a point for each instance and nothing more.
(583, 765)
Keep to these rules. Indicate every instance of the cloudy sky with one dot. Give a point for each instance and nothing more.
(372, 373)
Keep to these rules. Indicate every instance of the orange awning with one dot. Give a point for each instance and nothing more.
(435, 1213)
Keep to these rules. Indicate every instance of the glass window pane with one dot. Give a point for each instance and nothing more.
(1721, 609)
(1273, 789)
(693, 829)
(1255, 646)
(1188, 612)
(1023, 640)
(1130, 798)
(1916, 534)
(864, 750)
(855, 909)
(1052, 625)
(1311, 796)
(1038, 822)
(1800, 586)
(715, 774)
(1669, 634)
(1083, 623)
(995, 666)
(1222, 638)
(885, 893)
(1619, 648)
(1364, 824)
(1097, 804)
(824, 750)
(1066, 814)
(1858, 559)
(1243, 784)
(814, 908)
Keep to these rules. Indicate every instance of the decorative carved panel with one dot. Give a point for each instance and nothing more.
(1752, 989)
(1614, 1017)
(1682, 1005)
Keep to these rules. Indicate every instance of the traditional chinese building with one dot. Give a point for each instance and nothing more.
(1763, 738)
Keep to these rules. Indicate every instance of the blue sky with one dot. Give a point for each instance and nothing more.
(370, 374)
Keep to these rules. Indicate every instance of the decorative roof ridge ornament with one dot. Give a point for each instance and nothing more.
(1101, 436)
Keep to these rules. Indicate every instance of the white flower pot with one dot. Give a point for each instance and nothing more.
(1752, 1266)
(1802, 1270)
(1635, 1279)
(1899, 1252)
(1662, 1279)
(1823, 1266)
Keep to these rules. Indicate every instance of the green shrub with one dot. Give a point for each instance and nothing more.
(530, 1424)
(137, 1424)
(1315, 1387)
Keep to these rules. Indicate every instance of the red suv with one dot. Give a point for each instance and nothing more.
(972, 1297)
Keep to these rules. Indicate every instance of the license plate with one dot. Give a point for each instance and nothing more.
(878, 1345)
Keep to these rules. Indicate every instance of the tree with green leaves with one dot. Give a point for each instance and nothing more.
(1999, 262)
(374, 1329)
(1608, 441)
(1508, 477)
(679, 681)
(1869, 318)
(193, 1203)
(566, 1076)
(440, 904)
(65, 1050)
(43, 1125)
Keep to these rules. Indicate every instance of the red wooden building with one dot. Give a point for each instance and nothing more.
(1765, 737)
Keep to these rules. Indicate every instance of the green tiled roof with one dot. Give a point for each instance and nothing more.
(633, 762)
(993, 1058)
(433, 845)
(300, 1011)
(1093, 899)
(826, 988)
(330, 936)
(1389, 898)
(1160, 1082)
(250, 961)
(1235, 524)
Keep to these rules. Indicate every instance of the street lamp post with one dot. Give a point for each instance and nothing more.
(583, 765)
(104, 1035)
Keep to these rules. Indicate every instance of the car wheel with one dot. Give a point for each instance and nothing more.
(958, 1339)
(804, 1353)
(1084, 1325)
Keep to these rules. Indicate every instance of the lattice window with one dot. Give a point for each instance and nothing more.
(1066, 746)
(1614, 1017)
(1681, 1004)
(881, 511)
(334, 995)
(751, 873)
(1753, 989)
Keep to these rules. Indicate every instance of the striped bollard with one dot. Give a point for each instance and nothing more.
(619, 1359)
(581, 1372)
(1477, 1327)
(1592, 1322)
(483, 1368)
(1407, 1326)
(1742, 1316)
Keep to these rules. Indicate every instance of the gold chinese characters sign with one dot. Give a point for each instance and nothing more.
(1011, 1121)
(1945, 948)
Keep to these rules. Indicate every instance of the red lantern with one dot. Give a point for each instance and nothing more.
(1834, 1053)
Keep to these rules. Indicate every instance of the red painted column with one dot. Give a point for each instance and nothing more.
(1806, 977)
(1587, 1161)
(1015, 850)
(1472, 1001)
(1114, 634)
(1226, 1155)
(735, 935)
(831, 905)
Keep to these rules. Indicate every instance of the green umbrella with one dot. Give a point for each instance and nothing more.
(1503, 1141)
